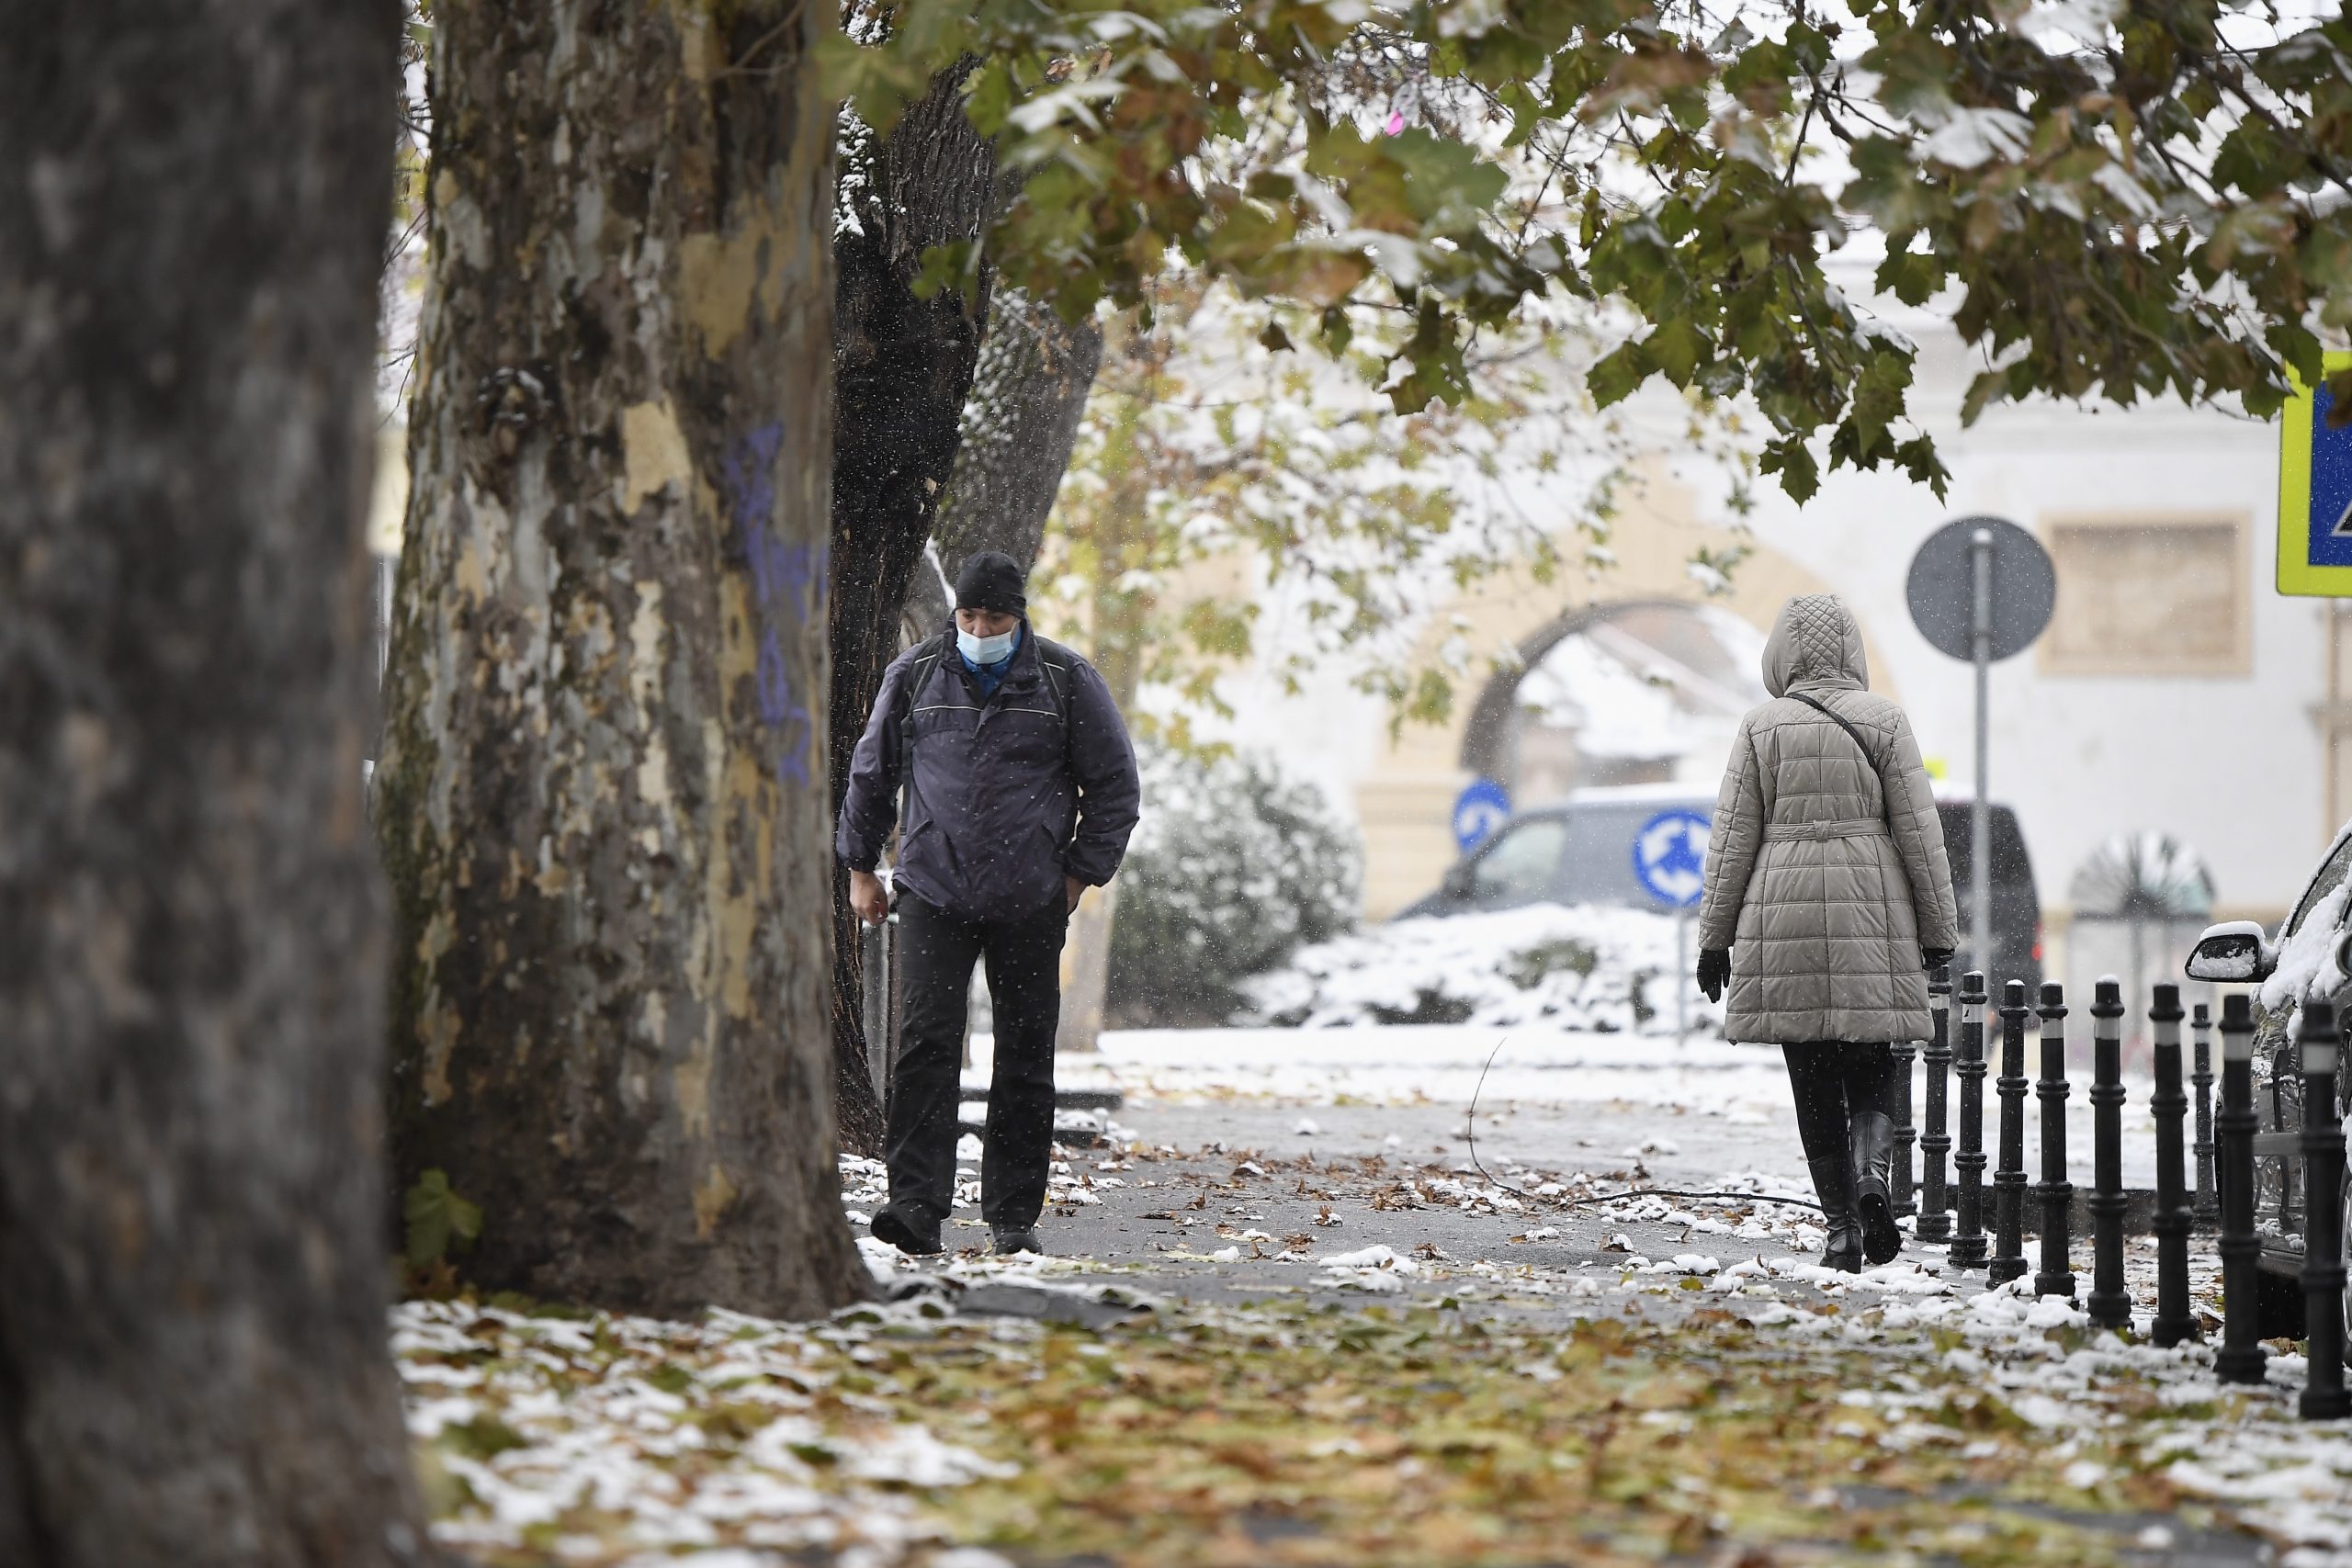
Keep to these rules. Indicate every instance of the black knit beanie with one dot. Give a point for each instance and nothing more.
(992, 581)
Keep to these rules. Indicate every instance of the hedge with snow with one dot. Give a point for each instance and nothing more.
(1608, 970)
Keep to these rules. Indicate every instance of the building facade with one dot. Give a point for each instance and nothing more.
(2175, 693)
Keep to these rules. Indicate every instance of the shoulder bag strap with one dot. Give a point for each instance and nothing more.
(1886, 801)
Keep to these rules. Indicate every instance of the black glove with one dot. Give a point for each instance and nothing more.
(1714, 971)
(1934, 958)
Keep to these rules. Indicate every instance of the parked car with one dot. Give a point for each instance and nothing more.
(2309, 956)
(1581, 851)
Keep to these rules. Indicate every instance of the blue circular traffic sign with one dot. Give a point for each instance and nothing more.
(1670, 856)
(1478, 810)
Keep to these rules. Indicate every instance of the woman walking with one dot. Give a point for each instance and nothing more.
(1828, 897)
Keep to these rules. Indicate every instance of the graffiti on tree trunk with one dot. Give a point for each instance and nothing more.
(786, 579)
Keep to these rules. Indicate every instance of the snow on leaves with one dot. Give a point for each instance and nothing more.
(1691, 1409)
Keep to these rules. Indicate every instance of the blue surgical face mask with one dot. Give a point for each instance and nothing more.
(985, 649)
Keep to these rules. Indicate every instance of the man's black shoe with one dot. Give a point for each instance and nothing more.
(1006, 1241)
(906, 1235)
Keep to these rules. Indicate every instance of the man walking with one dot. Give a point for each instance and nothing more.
(1020, 790)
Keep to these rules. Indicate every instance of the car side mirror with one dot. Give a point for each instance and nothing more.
(1457, 882)
(2232, 951)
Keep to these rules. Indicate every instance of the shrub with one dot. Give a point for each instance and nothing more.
(1232, 870)
(1606, 970)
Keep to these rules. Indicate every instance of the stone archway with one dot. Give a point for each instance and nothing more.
(1405, 796)
(1702, 656)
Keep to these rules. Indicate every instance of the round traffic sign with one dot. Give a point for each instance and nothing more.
(1943, 588)
(1670, 856)
(1478, 810)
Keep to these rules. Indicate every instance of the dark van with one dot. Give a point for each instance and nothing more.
(1581, 851)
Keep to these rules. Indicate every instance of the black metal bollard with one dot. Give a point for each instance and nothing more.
(2242, 1357)
(2056, 1276)
(2175, 1322)
(2324, 1398)
(1934, 1215)
(2009, 1177)
(2109, 1303)
(2207, 1210)
(1900, 1185)
(1968, 1241)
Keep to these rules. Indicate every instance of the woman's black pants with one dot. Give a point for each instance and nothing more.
(1023, 958)
(1832, 1079)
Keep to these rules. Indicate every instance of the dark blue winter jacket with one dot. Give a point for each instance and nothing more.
(1012, 790)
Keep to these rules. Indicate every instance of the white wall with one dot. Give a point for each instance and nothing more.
(2230, 766)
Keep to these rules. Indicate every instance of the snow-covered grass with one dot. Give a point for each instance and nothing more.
(1416, 1064)
(1909, 1406)
(1589, 968)
(629, 1442)
(903, 1434)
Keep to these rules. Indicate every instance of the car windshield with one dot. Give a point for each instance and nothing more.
(1524, 862)
(2330, 877)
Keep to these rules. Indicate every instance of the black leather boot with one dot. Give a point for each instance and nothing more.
(917, 1236)
(1833, 1183)
(1872, 1143)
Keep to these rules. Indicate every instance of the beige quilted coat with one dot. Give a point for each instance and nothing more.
(1823, 894)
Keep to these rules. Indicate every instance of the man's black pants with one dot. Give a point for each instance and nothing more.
(936, 951)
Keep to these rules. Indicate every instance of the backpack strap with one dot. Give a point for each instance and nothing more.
(1060, 674)
(916, 676)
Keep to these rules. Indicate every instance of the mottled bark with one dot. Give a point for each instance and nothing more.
(602, 799)
(193, 1274)
(1020, 424)
(902, 366)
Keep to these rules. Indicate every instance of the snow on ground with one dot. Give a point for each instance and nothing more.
(612, 1442)
(1603, 970)
(620, 1443)
(630, 1442)
(1743, 1086)
(1409, 1064)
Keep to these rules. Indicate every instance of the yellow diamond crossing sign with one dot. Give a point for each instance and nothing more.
(2315, 493)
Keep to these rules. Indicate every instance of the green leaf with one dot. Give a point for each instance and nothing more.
(1912, 276)
(1792, 461)
(1614, 376)
(435, 1217)
(1676, 349)
(1338, 331)
(988, 97)
(947, 266)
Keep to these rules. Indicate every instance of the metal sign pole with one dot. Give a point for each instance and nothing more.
(1980, 817)
(1682, 975)
(1980, 589)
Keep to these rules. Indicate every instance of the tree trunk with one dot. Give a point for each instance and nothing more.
(1119, 620)
(193, 1274)
(1086, 973)
(1020, 424)
(902, 366)
(603, 796)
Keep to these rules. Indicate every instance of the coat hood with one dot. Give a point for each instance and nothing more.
(1815, 642)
